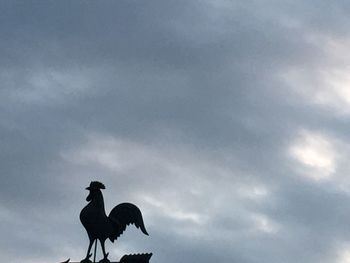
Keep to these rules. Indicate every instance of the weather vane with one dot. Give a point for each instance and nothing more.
(101, 227)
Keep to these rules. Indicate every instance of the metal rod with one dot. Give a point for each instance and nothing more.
(95, 250)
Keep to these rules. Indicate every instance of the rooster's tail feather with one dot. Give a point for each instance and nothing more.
(124, 214)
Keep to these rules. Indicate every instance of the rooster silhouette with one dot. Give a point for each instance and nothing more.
(100, 226)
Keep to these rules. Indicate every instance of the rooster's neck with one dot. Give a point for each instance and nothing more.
(97, 201)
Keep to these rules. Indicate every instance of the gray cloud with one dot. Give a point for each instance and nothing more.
(218, 119)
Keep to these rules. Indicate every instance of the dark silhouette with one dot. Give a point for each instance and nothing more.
(138, 258)
(99, 226)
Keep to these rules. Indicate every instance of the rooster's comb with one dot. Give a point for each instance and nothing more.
(97, 185)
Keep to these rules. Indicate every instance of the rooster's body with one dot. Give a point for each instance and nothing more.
(100, 226)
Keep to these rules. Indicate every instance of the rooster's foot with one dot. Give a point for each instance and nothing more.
(105, 260)
(86, 260)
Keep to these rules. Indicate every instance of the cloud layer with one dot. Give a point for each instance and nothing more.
(226, 122)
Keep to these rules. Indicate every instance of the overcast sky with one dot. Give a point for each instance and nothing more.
(226, 122)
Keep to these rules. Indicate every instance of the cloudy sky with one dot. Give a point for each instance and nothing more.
(226, 122)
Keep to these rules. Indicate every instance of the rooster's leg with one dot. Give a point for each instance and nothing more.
(88, 255)
(105, 255)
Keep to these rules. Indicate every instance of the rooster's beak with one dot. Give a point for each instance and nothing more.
(88, 188)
